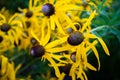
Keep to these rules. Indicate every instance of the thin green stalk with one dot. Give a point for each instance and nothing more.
(98, 28)
(16, 56)
(28, 64)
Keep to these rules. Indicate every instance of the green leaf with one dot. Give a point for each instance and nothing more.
(115, 32)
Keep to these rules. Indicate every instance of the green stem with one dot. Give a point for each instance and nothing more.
(98, 28)
(89, 53)
(16, 56)
(29, 64)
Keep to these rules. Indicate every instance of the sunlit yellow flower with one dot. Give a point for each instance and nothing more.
(6, 13)
(32, 10)
(7, 69)
(12, 28)
(30, 17)
(75, 67)
(4, 43)
(78, 41)
(43, 49)
(27, 41)
(53, 11)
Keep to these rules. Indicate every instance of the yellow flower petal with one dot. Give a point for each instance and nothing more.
(52, 23)
(57, 72)
(85, 77)
(3, 18)
(92, 15)
(96, 54)
(4, 64)
(101, 42)
(35, 36)
(47, 37)
(55, 43)
(91, 67)
(58, 25)
(61, 76)
(59, 49)
(104, 46)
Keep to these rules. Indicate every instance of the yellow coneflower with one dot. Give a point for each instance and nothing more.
(74, 67)
(4, 43)
(6, 13)
(43, 49)
(78, 41)
(12, 28)
(54, 11)
(28, 40)
(7, 70)
(30, 15)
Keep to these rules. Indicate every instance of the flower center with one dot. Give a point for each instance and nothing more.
(73, 56)
(66, 68)
(77, 26)
(69, 30)
(5, 27)
(29, 14)
(37, 51)
(85, 3)
(75, 38)
(17, 44)
(1, 39)
(33, 41)
(48, 9)
(28, 24)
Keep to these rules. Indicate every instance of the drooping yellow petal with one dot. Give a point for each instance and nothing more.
(79, 74)
(3, 18)
(104, 46)
(101, 42)
(45, 20)
(13, 18)
(96, 54)
(17, 68)
(35, 36)
(52, 23)
(91, 67)
(92, 15)
(48, 34)
(58, 58)
(4, 64)
(70, 7)
(69, 21)
(61, 76)
(59, 25)
(72, 71)
(10, 72)
(55, 43)
(30, 4)
(57, 71)
(85, 77)
(59, 49)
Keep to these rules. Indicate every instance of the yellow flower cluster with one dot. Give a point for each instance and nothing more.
(53, 31)
(7, 71)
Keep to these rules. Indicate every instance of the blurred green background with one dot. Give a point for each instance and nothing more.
(108, 20)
